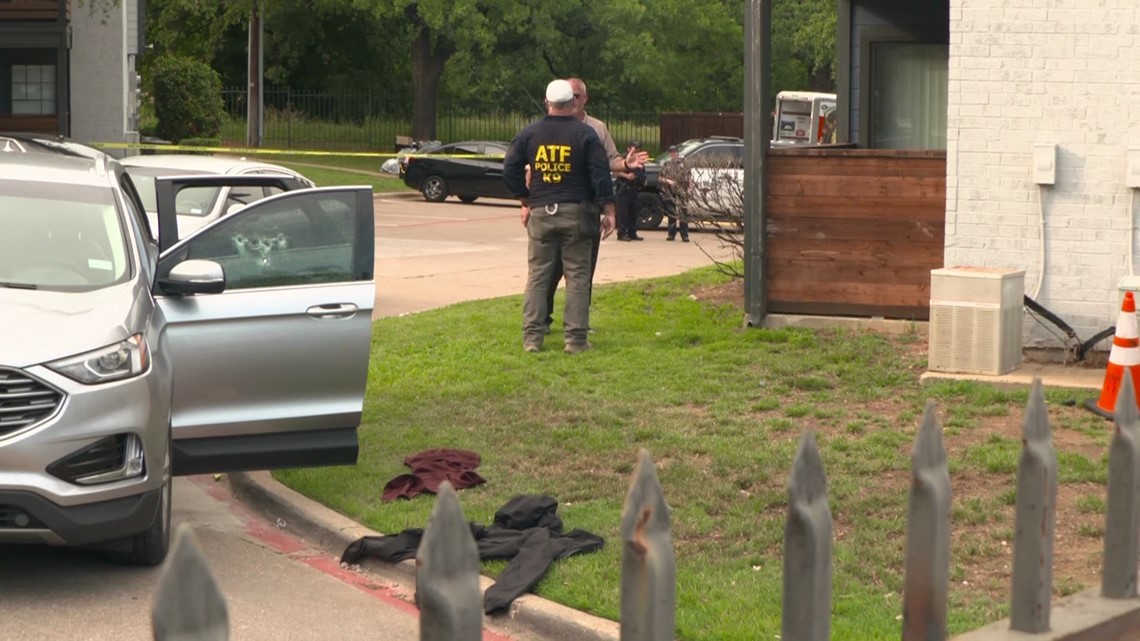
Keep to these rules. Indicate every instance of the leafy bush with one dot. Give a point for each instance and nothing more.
(201, 142)
(187, 98)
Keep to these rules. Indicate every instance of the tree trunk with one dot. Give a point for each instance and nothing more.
(821, 80)
(428, 61)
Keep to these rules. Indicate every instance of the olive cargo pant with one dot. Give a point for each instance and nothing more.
(560, 239)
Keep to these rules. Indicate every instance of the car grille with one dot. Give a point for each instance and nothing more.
(24, 401)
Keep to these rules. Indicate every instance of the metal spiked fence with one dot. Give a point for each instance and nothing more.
(367, 121)
(189, 607)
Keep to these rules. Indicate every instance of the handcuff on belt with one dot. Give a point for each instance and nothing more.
(551, 209)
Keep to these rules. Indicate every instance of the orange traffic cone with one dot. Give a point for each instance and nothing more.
(1125, 354)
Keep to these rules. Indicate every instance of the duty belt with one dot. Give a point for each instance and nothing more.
(552, 208)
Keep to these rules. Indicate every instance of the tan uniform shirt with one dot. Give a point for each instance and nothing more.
(599, 128)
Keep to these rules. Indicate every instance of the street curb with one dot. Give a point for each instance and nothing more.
(329, 529)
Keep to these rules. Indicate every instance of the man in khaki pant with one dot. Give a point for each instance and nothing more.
(569, 185)
(617, 162)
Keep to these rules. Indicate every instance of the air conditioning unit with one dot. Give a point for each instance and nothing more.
(975, 320)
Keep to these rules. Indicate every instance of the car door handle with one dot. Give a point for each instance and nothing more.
(332, 310)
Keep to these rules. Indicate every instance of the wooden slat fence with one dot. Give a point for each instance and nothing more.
(30, 9)
(29, 124)
(189, 607)
(677, 127)
(854, 232)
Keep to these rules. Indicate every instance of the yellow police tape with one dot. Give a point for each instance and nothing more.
(255, 151)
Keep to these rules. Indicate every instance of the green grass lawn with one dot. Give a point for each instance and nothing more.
(721, 410)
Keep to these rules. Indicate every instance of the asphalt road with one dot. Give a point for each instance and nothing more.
(431, 255)
(277, 587)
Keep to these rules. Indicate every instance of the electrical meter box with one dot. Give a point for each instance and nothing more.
(976, 316)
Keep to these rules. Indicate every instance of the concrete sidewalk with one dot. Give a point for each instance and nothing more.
(1052, 375)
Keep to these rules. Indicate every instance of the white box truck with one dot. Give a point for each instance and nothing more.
(804, 118)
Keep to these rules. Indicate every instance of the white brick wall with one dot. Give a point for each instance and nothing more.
(98, 74)
(1045, 71)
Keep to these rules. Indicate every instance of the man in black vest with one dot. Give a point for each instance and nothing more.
(627, 185)
(569, 187)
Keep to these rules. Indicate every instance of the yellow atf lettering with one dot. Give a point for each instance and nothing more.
(552, 153)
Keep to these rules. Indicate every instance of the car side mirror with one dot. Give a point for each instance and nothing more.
(194, 277)
(234, 208)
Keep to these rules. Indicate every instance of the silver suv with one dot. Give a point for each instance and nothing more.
(126, 359)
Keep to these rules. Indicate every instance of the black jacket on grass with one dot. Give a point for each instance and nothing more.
(526, 530)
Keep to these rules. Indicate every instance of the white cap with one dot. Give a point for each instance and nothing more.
(559, 91)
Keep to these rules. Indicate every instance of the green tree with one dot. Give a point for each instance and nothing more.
(651, 55)
(699, 61)
(211, 31)
(803, 32)
(336, 45)
(633, 55)
(506, 50)
(435, 30)
(309, 45)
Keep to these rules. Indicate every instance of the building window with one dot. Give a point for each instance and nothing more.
(33, 89)
(909, 95)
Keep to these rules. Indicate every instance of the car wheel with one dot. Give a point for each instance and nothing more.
(650, 210)
(468, 199)
(434, 188)
(149, 547)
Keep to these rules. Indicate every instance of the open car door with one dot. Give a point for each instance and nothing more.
(270, 372)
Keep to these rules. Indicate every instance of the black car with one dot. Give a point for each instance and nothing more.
(475, 171)
(712, 151)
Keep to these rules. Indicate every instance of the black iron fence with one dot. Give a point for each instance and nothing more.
(368, 121)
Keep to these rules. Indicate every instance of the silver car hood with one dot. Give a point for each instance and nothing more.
(38, 326)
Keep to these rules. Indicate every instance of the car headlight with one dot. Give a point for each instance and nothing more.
(111, 363)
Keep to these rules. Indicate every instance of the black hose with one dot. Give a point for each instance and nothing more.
(1053, 318)
(1100, 336)
(1082, 346)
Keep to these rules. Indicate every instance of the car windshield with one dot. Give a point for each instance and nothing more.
(60, 237)
(192, 201)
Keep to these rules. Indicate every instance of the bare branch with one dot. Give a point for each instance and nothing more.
(710, 197)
